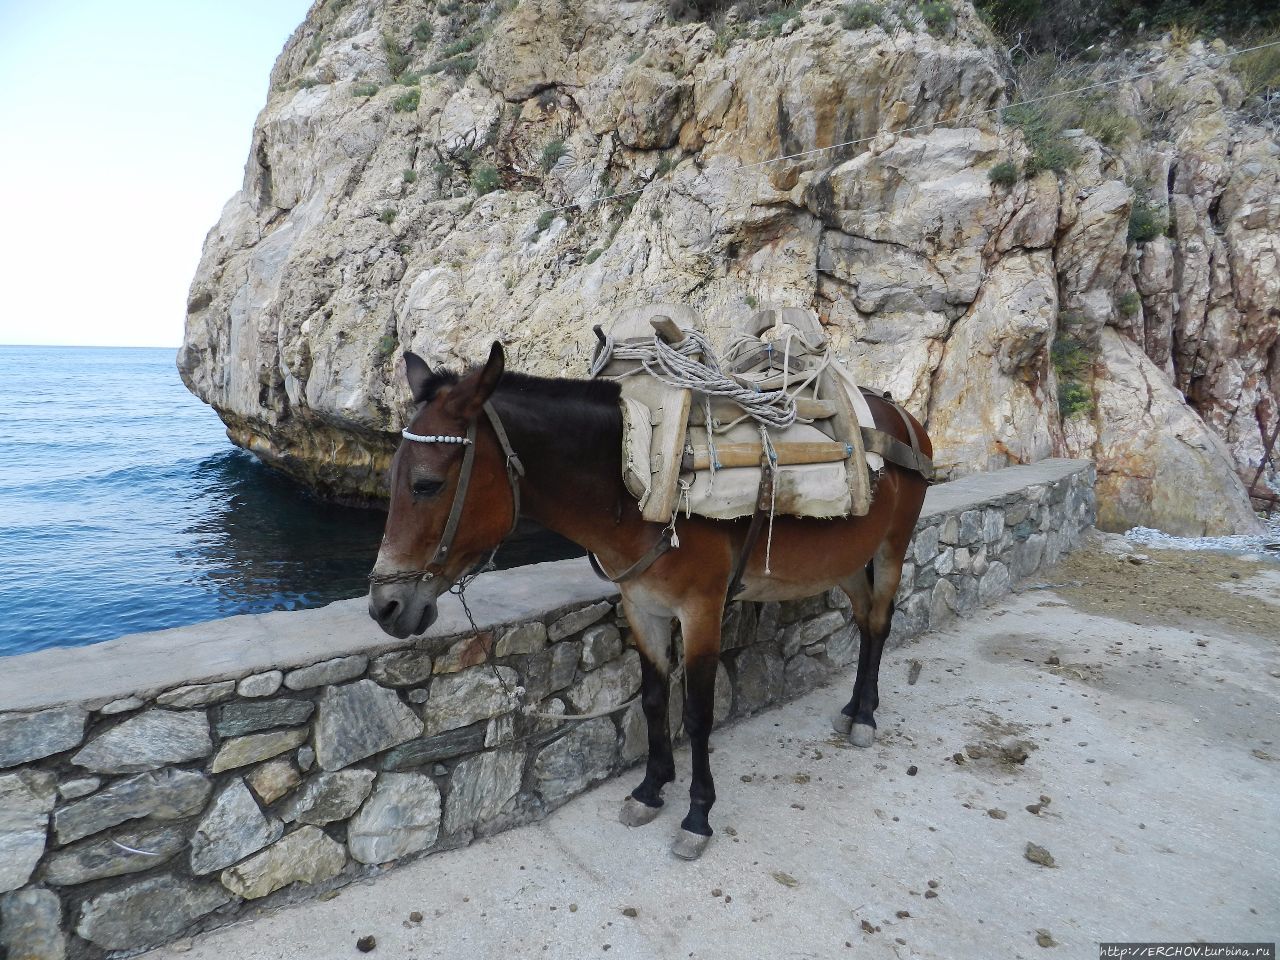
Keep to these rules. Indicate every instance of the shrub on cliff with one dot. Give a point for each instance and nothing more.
(485, 179)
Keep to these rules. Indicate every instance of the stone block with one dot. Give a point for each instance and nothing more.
(925, 544)
(148, 741)
(480, 787)
(992, 524)
(233, 827)
(273, 780)
(31, 926)
(163, 795)
(600, 644)
(260, 684)
(305, 856)
(102, 857)
(802, 674)
(995, 583)
(26, 798)
(360, 719)
(459, 699)
(440, 746)
(580, 758)
(250, 716)
(609, 686)
(30, 736)
(327, 797)
(197, 695)
(148, 912)
(337, 670)
(470, 651)
(523, 638)
(758, 678)
(577, 620)
(402, 668)
(256, 747)
(401, 817)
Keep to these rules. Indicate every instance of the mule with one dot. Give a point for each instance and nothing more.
(551, 449)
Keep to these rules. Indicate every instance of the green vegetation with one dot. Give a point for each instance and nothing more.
(363, 88)
(422, 33)
(409, 176)
(1003, 174)
(939, 17)
(863, 15)
(1147, 220)
(1049, 151)
(1070, 27)
(485, 179)
(1073, 366)
(751, 301)
(465, 45)
(666, 164)
(386, 344)
(545, 219)
(397, 59)
(460, 66)
(551, 153)
(1129, 304)
(443, 172)
(406, 102)
(594, 255)
(387, 215)
(1259, 74)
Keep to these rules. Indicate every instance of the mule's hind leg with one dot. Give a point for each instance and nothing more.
(653, 637)
(875, 595)
(858, 589)
(701, 657)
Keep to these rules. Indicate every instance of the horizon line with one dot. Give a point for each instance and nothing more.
(95, 346)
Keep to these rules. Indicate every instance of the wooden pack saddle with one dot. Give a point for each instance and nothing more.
(701, 453)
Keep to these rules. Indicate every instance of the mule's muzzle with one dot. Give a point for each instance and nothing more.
(402, 609)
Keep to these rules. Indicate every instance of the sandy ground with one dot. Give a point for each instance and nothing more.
(1125, 721)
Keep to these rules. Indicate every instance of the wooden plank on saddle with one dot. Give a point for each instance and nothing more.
(748, 454)
(663, 482)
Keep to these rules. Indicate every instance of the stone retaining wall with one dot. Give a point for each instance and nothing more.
(135, 809)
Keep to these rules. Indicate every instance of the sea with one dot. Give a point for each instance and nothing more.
(124, 508)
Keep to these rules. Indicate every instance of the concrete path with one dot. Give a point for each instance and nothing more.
(1157, 756)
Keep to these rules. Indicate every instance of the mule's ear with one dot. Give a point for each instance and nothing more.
(468, 398)
(418, 374)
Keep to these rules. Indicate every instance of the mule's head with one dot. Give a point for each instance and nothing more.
(408, 577)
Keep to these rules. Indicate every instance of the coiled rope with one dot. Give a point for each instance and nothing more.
(678, 365)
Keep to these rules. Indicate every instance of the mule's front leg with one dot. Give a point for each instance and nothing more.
(653, 638)
(699, 700)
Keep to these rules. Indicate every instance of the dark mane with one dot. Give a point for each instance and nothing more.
(560, 413)
(558, 416)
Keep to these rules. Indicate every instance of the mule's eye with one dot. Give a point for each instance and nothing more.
(423, 487)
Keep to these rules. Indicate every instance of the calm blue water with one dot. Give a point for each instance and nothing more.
(123, 508)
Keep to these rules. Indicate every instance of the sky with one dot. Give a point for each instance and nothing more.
(124, 129)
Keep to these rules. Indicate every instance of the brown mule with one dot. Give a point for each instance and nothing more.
(484, 447)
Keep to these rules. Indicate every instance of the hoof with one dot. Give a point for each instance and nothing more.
(637, 814)
(841, 723)
(689, 846)
(862, 734)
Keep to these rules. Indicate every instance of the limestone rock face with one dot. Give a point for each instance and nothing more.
(371, 224)
(1161, 463)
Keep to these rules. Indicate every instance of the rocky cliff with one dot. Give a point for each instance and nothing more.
(1110, 290)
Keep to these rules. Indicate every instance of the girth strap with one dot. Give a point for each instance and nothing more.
(897, 452)
(764, 501)
(662, 545)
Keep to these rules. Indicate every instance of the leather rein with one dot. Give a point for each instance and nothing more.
(515, 471)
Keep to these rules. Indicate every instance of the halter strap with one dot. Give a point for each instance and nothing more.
(515, 470)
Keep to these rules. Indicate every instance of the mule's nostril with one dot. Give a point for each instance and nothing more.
(388, 610)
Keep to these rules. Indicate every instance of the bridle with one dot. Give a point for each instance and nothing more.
(515, 471)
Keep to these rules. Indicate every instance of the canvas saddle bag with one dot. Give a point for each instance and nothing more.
(702, 454)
